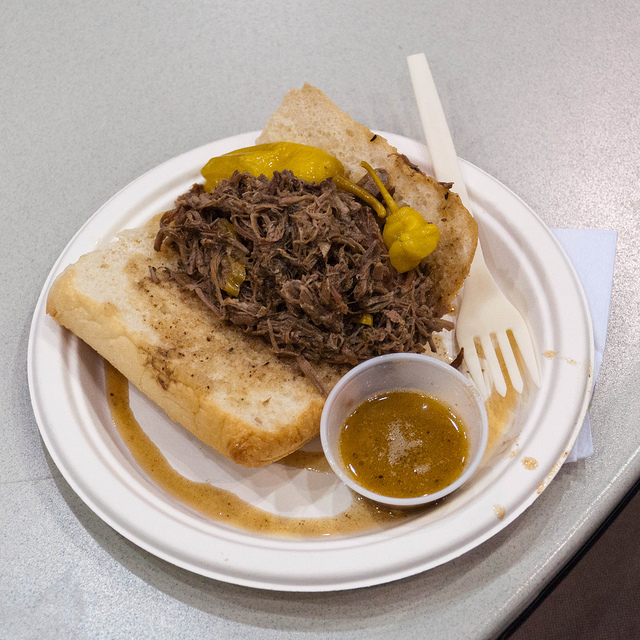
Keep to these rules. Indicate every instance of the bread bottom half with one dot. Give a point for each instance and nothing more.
(225, 387)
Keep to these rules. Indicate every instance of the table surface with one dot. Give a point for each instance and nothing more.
(544, 96)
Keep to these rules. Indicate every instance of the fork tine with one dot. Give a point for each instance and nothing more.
(510, 361)
(475, 370)
(525, 344)
(493, 364)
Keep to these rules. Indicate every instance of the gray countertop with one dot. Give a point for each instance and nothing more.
(544, 96)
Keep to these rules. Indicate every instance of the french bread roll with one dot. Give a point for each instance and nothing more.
(224, 386)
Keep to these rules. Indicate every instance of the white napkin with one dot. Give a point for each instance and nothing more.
(592, 252)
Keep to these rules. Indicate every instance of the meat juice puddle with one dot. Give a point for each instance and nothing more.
(224, 506)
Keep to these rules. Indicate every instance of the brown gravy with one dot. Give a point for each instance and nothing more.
(403, 444)
(309, 460)
(225, 506)
(500, 410)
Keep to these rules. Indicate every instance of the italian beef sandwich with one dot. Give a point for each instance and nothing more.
(239, 309)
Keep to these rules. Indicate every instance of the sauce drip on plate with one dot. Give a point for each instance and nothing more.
(309, 460)
(225, 506)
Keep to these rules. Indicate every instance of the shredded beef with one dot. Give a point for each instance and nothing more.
(315, 264)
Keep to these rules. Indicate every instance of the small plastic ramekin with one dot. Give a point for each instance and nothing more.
(404, 372)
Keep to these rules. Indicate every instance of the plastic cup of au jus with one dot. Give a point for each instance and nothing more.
(404, 372)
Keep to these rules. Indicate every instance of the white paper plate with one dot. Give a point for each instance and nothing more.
(67, 391)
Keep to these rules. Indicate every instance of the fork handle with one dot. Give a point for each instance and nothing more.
(436, 130)
(438, 136)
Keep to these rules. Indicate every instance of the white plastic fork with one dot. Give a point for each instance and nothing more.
(484, 310)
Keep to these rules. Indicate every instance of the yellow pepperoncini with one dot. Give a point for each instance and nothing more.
(236, 276)
(226, 227)
(305, 162)
(236, 273)
(366, 318)
(406, 234)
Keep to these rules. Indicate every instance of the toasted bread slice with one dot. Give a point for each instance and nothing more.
(225, 387)
(308, 116)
